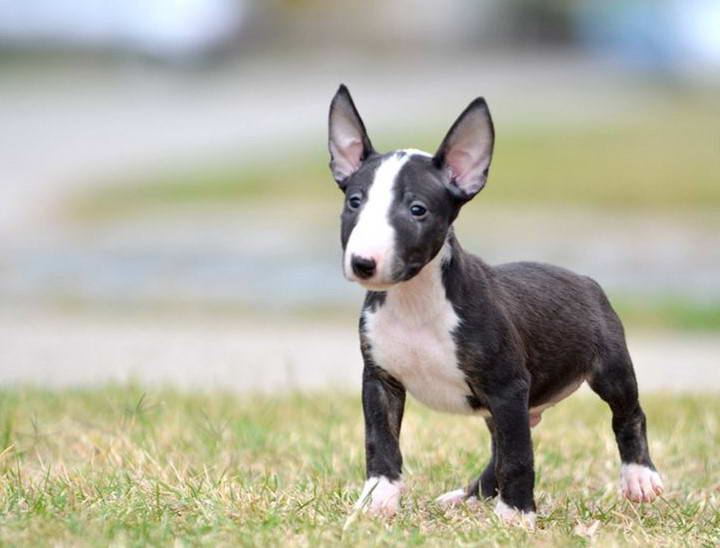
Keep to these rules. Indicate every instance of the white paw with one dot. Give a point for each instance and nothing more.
(380, 496)
(452, 498)
(640, 483)
(513, 516)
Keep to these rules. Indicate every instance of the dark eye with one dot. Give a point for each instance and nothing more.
(418, 210)
(354, 201)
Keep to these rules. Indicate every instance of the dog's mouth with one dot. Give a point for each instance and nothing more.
(375, 283)
(401, 275)
(376, 286)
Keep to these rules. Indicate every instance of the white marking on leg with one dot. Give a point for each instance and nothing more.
(373, 236)
(640, 483)
(380, 496)
(513, 516)
(451, 498)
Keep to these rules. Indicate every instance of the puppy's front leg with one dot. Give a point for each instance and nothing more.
(514, 463)
(383, 405)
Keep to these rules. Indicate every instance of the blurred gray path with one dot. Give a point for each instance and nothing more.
(250, 256)
(67, 350)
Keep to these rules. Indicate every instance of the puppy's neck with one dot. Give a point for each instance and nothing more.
(422, 298)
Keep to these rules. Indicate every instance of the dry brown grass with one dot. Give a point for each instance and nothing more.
(120, 466)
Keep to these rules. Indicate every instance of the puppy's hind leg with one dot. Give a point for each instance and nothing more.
(485, 485)
(613, 379)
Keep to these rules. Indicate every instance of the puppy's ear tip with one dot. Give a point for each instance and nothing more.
(342, 90)
(479, 102)
(342, 97)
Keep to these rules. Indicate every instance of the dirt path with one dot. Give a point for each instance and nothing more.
(59, 350)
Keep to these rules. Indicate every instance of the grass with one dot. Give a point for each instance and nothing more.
(666, 159)
(119, 466)
(668, 312)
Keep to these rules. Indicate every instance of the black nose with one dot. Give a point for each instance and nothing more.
(362, 267)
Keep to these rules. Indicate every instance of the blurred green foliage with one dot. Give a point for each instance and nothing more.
(666, 161)
(668, 312)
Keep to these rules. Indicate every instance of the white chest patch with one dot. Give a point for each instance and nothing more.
(411, 337)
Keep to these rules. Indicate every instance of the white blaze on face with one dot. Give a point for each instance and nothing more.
(373, 237)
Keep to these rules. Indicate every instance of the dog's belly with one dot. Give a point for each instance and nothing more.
(537, 411)
(422, 357)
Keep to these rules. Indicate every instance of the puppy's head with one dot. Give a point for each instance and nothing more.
(399, 206)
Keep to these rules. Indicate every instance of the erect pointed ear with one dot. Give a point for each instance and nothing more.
(467, 150)
(348, 141)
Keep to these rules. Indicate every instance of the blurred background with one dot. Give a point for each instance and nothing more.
(167, 216)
